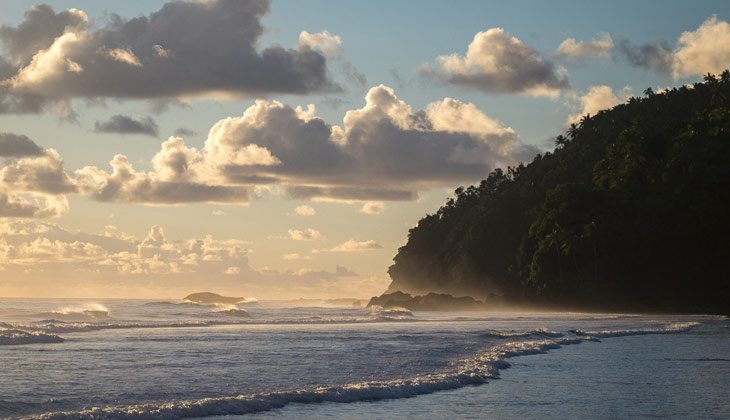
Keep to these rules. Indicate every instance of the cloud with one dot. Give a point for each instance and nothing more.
(497, 62)
(308, 234)
(232, 271)
(184, 132)
(32, 206)
(656, 57)
(705, 50)
(295, 256)
(598, 98)
(330, 45)
(122, 124)
(14, 145)
(44, 174)
(178, 177)
(383, 151)
(598, 47)
(354, 246)
(305, 210)
(184, 50)
(373, 207)
(101, 265)
(218, 213)
(34, 186)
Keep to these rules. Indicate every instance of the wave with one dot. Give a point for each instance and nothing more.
(14, 337)
(238, 313)
(540, 332)
(391, 313)
(473, 371)
(669, 329)
(479, 369)
(78, 313)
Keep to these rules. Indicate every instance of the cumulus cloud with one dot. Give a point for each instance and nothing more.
(330, 45)
(183, 50)
(383, 151)
(355, 246)
(305, 210)
(14, 145)
(122, 124)
(178, 177)
(601, 46)
(497, 62)
(308, 234)
(34, 186)
(373, 207)
(598, 98)
(706, 49)
(32, 205)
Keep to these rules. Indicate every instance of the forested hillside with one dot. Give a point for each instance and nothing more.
(631, 210)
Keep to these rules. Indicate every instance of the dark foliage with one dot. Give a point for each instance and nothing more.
(631, 211)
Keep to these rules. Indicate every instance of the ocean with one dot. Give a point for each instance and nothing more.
(138, 359)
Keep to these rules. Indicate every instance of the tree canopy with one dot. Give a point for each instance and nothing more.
(630, 211)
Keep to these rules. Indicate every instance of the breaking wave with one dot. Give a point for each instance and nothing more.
(14, 337)
(474, 370)
(540, 332)
(670, 329)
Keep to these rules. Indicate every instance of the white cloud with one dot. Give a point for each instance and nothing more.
(598, 47)
(218, 213)
(305, 210)
(495, 61)
(308, 234)
(598, 98)
(124, 55)
(354, 246)
(232, 271)
(295, 256)
(704, 50)
(330, 45)
(373, 207)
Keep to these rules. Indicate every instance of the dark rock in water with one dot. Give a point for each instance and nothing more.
(208, 297)
(429, 302)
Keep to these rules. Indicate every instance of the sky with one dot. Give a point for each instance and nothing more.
(283, 149)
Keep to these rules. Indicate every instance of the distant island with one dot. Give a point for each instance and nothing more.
(631, 211)
(208, 297)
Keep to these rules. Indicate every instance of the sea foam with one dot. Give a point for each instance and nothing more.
(478, 369)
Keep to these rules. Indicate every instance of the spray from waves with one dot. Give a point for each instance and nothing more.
(79, 312)
(475, 370)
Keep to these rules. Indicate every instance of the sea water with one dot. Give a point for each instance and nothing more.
(121, 359)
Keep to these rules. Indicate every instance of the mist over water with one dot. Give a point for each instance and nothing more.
(175, 359)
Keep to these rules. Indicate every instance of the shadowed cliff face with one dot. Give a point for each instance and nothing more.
(628, 211)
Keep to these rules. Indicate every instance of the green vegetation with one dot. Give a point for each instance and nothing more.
(631, 211)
